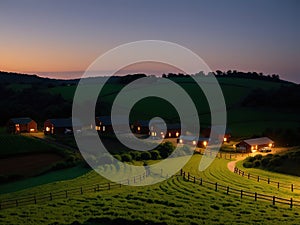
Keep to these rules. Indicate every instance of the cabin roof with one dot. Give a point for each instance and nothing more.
(22, 120)
(259, 141)
(65, 122)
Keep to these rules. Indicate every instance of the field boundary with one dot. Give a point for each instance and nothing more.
(67, 193)
(240, 192)
(291, 187)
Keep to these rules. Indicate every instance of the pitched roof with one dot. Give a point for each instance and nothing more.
(65, 122)
(23, 120)
(259, 141)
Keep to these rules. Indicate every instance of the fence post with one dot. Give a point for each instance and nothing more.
(227, 192)
(216, 186)
(188, 176)
(257, 178)
(274, 200)
(292, 187)
(194, 179)
(278, 185)
(66, 193)
(108, 186)
(248, 175)
(291, 205)
(255, 196)
(50, 196)
(241, 193)
(180, 172)
(268, 180)
(34, 200)
(201, 181)
(81, 191)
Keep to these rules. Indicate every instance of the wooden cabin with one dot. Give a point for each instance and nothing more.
(158, 130)
(61, 126)
(252, 145)
(20, 125)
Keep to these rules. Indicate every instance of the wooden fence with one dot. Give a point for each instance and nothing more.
(241, 193)
(224, 155)
(291, 187)
(49, 196)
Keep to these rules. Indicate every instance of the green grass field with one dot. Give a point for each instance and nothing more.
(173, 201)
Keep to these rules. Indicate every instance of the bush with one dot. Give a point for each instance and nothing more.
(265, 161)
(165, 149)
(118, 157)
(249, 159)
(126, 158)
(258, 157)
(248, 164)
(155, 154)
(256, 163)
(145, 155)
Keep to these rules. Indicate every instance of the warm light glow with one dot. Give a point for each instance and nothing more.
(161, 133)
(270, 145)
(177, 134)
(205, 143)
(255, 146)
(98, 128)
(32, 130)
(225, 139)
(163, 136)
(138, 128)
(103, 128)
(252, 148)
(170, 134)
(194, 142)
(180, 141)
(47, 129)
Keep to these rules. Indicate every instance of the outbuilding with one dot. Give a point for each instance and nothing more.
(20, 125)
(61, 126)
(252, 145)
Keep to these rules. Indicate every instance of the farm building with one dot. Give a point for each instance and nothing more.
(252, 145)
(104, 124)
(61, 126)
(158, 131)
(19, 125)
(200, 142)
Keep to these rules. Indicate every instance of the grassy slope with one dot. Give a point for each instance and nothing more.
(241, 121)
(173, 201)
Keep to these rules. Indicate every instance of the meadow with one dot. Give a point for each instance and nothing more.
(174, 201)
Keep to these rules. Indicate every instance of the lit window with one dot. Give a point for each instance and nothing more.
(138, 128)
(152, 134)
(47, 129)
(163, 136)
(98, 128)
(177, 134)
(180, 141)
(103, 128)
(270, 145)
(169, 134)
(32, 130)
(252, 147)
(194, 142)
(225, 139)
(205, 143)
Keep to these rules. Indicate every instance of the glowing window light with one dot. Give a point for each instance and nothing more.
(103, 128)
(98, 128)
(194, 142)
(177, 134)
(138, 128)
(225, 139)
(180, 141)
(163, 136)
(205, 143)
(47, 129)
(32, 130)
(270, 145)
(170, 134)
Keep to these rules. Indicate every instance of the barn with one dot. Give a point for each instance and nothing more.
(252, 145)
(20, 125)
(61, 126)
(200, 142)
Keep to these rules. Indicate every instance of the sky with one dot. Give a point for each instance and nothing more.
(62, 38)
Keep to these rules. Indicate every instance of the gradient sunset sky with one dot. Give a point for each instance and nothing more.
(62, 38)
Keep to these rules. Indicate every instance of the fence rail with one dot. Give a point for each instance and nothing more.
(49, 196)
(224, 155)
(291, 187)
(241, 193)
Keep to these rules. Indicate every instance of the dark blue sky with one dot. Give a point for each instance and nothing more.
(52, 36)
